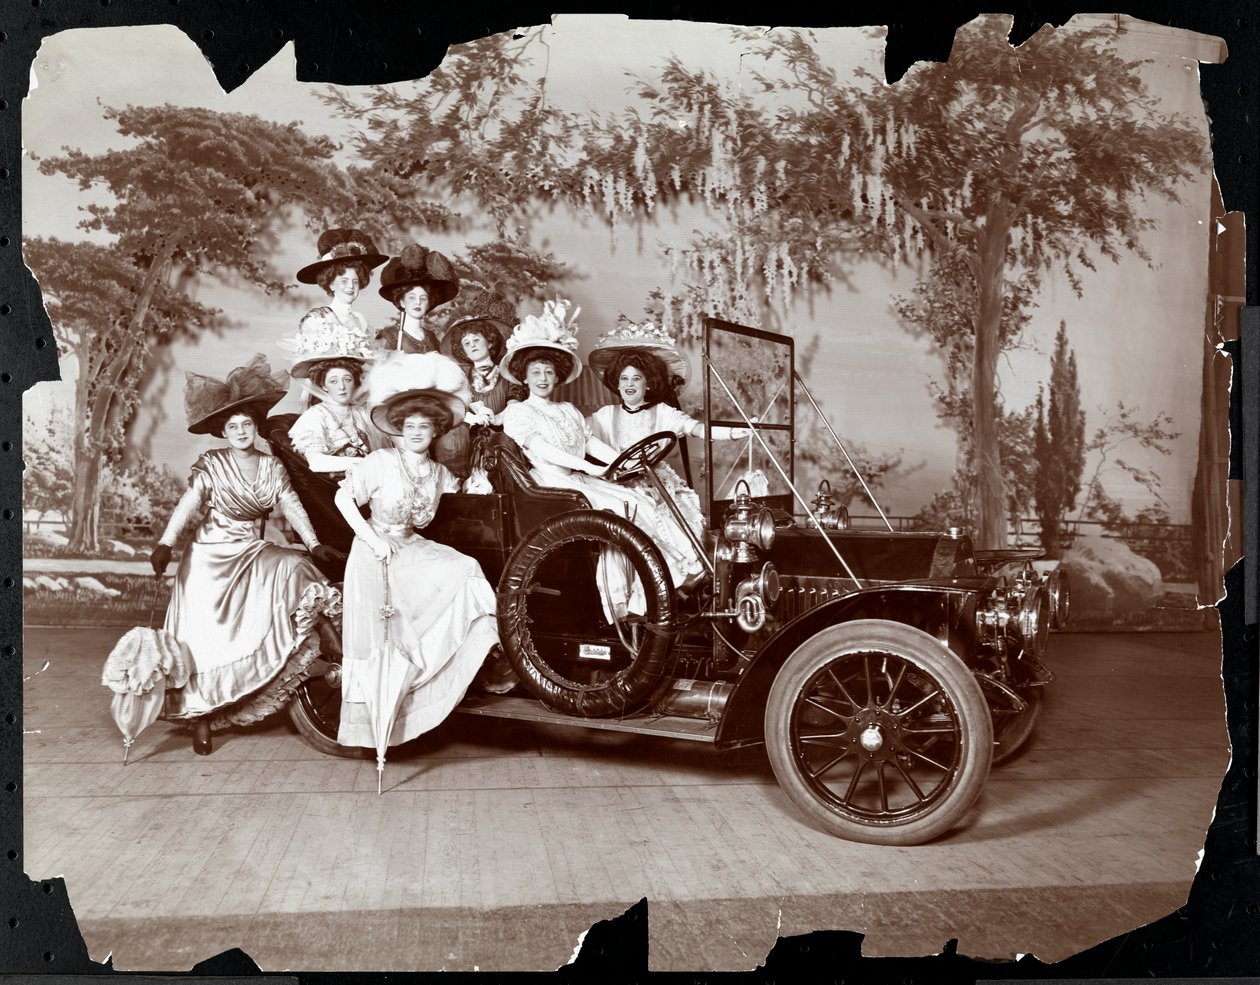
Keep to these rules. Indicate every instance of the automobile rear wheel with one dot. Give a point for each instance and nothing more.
(878, 733)
(1012, 729)
(315, 711)
(523, 584)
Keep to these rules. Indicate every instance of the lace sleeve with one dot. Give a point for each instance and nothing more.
(191, 506)
(672, 419)
(363, 481)
(519, 424)
(308, 434)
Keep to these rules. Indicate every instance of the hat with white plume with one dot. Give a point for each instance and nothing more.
(403, 375)
(556, 328)
(321, 336)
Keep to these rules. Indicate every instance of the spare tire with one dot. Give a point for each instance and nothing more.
(632, 686)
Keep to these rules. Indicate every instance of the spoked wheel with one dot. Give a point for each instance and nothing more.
(1012, 729)
(878, 733)
(315, 710)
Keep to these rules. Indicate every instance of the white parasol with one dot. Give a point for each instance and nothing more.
(394, 677)
(138, 670)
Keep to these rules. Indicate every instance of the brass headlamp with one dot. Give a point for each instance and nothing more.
(830, 516)
(748, 525)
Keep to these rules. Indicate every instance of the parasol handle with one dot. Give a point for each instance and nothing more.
(157, 588)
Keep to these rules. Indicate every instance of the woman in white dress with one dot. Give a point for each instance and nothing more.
(438, 605)
(334, 433)
(542, 354)
(642, 365)
(347, 258)
(246, 610)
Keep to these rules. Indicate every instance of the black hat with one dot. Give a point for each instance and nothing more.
(418, 266)
(342, 246)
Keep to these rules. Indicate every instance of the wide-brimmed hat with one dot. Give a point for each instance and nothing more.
(481, 311)
(643, 337)
(342, 246)
(556, 329)
(206, 398)
(418, 266)
(403, 375)
(323, 336)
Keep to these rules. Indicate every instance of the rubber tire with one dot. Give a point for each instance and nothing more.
(906, 642)
(320, 733)
(1012, 736)
(635, 685)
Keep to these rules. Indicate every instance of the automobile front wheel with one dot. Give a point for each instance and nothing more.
(878, 733)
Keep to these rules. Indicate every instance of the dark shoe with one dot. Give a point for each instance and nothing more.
(496, 675)
(203, 745)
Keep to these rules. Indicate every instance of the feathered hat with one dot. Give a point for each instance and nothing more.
(556, 328)
(645, 336)
(481, 311)
(322, 335)
(403, 375)
(340, 246)
(418, 266)
(206, 398)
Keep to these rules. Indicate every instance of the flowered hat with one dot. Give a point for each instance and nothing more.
(206, 398)
(322, 335)
(556, 328)
(403, 375)
(340, 246)
(645, 336)
(418, 266)
(479, 311)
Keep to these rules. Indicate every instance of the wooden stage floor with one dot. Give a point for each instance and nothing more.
(497, 843)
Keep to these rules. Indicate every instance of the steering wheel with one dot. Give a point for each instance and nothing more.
(641, 456)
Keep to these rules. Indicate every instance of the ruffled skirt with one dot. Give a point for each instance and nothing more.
(246, 614)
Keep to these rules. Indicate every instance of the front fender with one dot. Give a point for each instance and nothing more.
(945, 612)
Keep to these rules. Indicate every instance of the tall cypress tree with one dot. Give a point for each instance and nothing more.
(1059, 444)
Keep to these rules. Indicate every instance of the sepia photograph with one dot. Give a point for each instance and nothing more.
(639, 460)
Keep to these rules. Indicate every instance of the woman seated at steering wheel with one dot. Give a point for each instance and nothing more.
(542, 353)
(642, 365)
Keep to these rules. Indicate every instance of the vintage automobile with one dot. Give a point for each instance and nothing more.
(884, 671)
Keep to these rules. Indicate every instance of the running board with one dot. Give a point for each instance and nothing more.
(532, 710)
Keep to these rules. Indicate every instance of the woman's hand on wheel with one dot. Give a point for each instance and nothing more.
(327, 555)
(595, 469)
(160, 558)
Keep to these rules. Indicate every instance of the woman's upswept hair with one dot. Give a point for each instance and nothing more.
(394, 295)
(434, 410)
(660, 385)
(319, 372)
(494, 341)
(328, 274)
(561, 362)
(253, 411)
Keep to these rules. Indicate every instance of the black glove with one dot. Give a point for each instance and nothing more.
(326, 554)
(160, 558)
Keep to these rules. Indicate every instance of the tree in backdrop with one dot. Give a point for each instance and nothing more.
(194, 193)
(1000, 167)
(1059, 445)
(48, 462)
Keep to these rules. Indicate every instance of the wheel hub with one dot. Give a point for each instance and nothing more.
(875, 734)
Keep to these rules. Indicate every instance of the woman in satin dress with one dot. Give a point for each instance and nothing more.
(247, 611)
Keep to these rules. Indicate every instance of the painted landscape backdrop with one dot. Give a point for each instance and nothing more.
(998, 270)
